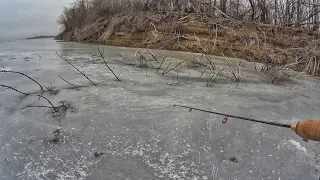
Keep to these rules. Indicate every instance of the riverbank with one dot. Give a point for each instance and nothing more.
(274, 46)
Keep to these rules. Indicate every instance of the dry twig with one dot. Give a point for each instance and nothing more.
(6, 71)
(76, 68)
(165, 72)
(68, 82)
(101, 55)
(9, 87)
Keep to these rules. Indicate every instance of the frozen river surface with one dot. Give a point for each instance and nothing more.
(129, 129)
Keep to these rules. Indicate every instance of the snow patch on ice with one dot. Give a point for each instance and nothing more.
(298, 145)
(57, 169)
(164, 164)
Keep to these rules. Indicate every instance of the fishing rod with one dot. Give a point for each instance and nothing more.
(308, 129)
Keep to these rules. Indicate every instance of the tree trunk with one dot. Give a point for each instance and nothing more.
(237, 7)
(275, 12)
(223, 5)
(252, 9)
(263, 9)
(298, 13)
(316, 15)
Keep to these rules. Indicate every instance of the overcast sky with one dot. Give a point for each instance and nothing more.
(26, 18)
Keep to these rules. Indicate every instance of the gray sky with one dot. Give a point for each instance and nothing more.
(27, 18)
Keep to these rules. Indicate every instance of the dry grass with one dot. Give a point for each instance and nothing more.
(52, 90)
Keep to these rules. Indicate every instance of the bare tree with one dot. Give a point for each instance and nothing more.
(279, 12)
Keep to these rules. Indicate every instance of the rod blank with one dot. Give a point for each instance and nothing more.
(236, 117)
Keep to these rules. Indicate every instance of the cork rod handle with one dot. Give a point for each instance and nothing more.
(309, 129)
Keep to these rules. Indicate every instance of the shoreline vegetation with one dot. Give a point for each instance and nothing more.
(281, 35)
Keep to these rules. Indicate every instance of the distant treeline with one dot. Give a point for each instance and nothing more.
(40, 37)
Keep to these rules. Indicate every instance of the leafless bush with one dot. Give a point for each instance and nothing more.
(280, 74)
(167, 70)
(125, 58)
(313, 66)
(74, 16)
(56, 109)
(213, 76)
(145, 59)
(141, 61)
